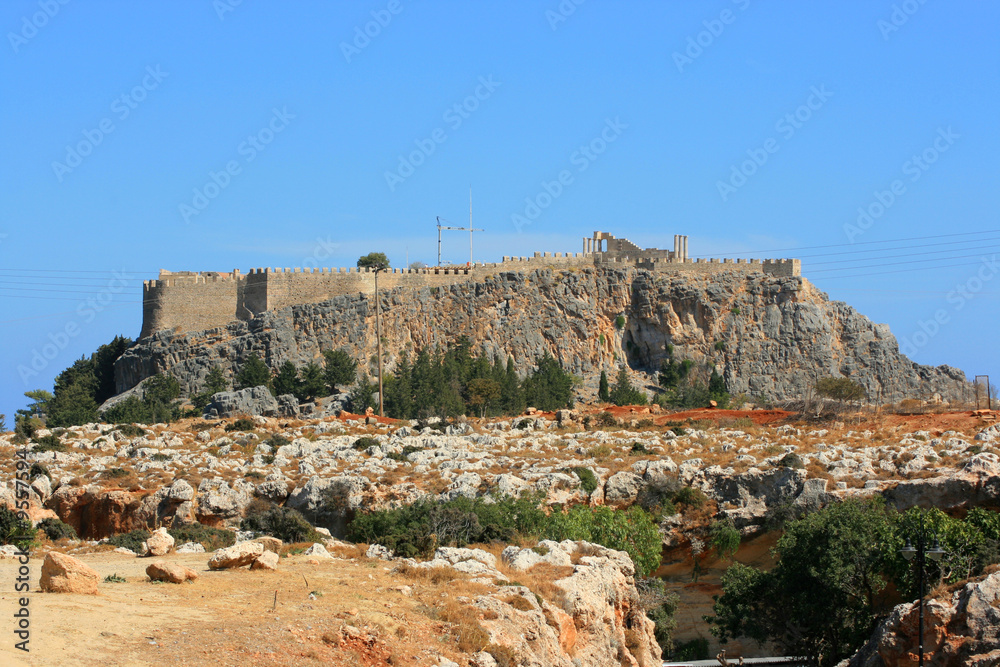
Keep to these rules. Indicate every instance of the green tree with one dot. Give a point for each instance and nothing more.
(39, 401)
(287, 379)
(840, 389)
(549, 387)
(253, 373)
(363, 397)
(72, 405)
(104, 367)
(311, 382)
(603, 391)
(340, 369)
(623, 393)
(484, 393)
(511, 395)
(724, 538)
(215, 381)
(374, 260)
(826, 593)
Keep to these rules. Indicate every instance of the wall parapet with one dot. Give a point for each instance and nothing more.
(194, 300)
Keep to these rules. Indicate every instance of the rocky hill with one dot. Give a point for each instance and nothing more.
(770, 336)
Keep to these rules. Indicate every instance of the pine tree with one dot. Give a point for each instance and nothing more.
(340, 369)
(511, 394)
(602, 388)
(623, 393)
(215, 381)
(253, 373)
(311, 383)
(287, 379)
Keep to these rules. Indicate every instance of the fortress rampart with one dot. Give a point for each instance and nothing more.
(192, 301)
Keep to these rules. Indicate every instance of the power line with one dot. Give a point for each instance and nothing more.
(911, 254)
(912, 261)
(842, 245)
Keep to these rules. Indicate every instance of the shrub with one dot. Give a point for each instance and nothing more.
(241, 424)
(49, 443)
(588, 480)
(422, 526)
(116, 473)
(38, 470)
(131, 540)
(638, 449)
(620, 322)
(720, 346)
(691, 496)
(275, 441)
(724, 537)
(660, 607)
(209, 537)
(285, 523)
(55, 529)
(114, 579)
(607, 419)
(364, 443)
(695, 649)
(130, 430)
(791, 460)
(14, 530)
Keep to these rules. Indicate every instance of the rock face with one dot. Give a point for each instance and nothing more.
(65, 574)
(597, 619)
(252, 401)
(963, 631)
(780, 334)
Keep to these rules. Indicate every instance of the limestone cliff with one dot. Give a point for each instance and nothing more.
(768, 335)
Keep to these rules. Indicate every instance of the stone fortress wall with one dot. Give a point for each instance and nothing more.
(192, 301)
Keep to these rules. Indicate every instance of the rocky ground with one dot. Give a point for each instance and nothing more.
(747, 464)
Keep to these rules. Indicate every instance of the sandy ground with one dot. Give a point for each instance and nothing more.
(230, 617)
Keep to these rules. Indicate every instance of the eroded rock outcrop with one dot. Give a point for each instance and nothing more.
(961, 631)
(780, 333)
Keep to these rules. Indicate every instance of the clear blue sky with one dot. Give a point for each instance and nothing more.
(309, 129)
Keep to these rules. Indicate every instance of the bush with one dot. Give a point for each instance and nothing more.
(285, 523)
(276, 441)
(660, 607)
(724, 537)
(638, 449)
(38, 470)
(208, 537)
(55, 529)
(131, 540)
(695, 649)
(588, 480)
(364, 443)
(49, 443)
(14, 530)
(130, 430)
(419, 528)
(691, 496)
(607, 419)
(241, 424)
(791, 460)
(114, 579)
(620, 322)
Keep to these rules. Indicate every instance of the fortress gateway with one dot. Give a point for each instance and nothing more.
(192, 301)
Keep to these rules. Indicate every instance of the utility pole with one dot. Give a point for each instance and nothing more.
(378, 336)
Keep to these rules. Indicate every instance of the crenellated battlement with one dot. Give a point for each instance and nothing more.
(191, 301)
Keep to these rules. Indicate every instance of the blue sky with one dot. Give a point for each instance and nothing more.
(217, 135)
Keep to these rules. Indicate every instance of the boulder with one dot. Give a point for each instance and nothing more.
(170, 572)
(65, 574)
(251, 401)
(622, 488)
(270, 543)
(238, 555)
(158, 544)
(191, 548)
(317, 550)
(378, 551)
(266, 561)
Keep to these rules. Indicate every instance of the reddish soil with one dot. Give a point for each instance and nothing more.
(936, 424)
(757, 416)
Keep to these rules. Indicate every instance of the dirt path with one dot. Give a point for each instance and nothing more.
(229, 618)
